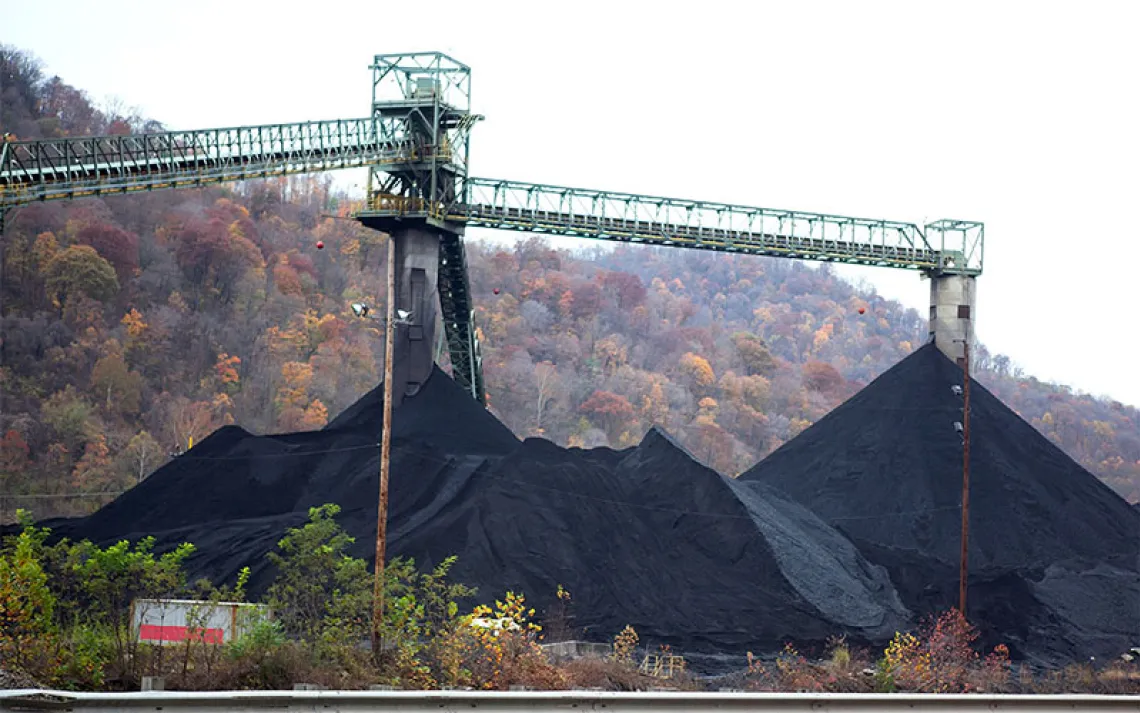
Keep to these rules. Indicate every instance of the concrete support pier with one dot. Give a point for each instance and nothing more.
(417, 292)
(953, 302)
(417, 269)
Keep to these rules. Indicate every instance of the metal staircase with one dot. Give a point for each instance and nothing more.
(459, 317)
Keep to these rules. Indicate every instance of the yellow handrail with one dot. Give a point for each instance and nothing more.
(406, 205)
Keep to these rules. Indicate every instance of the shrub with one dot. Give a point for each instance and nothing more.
(314, 574)
(607, 674)
(625, 644)
(495, 647)
(557, 620)
(87, 651)
(940, 659)
(27, 631)
(796, 673)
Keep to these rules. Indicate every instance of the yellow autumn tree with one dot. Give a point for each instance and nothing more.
(655, 405)
(706, 413)
(293, 392)
(697, 370)
(822, 337)
(293, 395)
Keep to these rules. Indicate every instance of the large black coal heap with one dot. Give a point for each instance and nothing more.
(1053, 554)
(645, 536)
(659, 542)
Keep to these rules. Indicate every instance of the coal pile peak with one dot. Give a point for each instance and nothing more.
(886, 468)
(440, 413)
(819, 563)
(235, 475)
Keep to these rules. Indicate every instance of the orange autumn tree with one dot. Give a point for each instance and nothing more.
(14, 459)
(94, 471)
(822, 377)
(297, 409)
(611, 412)
(226, 369)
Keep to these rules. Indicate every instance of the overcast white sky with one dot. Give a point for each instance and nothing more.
(1024, 115)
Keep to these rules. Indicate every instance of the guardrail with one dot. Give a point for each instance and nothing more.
(515, 701)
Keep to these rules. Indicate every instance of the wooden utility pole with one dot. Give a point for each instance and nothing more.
(385, 453)
(962, 573)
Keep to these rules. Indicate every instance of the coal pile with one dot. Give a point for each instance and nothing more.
(646, 536)
(851, 528)
(656, 541)
(1053, 551)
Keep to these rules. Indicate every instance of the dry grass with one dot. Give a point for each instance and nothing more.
(610, 675)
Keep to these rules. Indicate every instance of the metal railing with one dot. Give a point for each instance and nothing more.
(627, 217)
(516, 701)
(77, 167)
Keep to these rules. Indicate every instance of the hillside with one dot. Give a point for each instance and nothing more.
(132, 325)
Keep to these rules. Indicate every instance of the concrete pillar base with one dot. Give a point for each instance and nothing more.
(953, 302)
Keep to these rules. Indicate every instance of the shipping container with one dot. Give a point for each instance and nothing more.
(171, 621)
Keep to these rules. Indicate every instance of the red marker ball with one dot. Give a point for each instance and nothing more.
(862, 310)
(496, 290)
(320, 245)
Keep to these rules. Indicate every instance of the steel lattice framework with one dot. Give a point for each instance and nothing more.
(100, 165)
(415, 144)
(953, 247)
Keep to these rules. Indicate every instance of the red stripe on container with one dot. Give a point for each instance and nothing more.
(152, 632)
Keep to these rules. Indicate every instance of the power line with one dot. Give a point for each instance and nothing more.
(253, 456)
(49, 496)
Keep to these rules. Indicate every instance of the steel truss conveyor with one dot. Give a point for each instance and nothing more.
(415, 146)
(79, 167)
(652, 220)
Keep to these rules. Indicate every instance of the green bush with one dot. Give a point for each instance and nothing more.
(27, 604)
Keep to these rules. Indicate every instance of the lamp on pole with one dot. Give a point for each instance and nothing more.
(362, 310)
